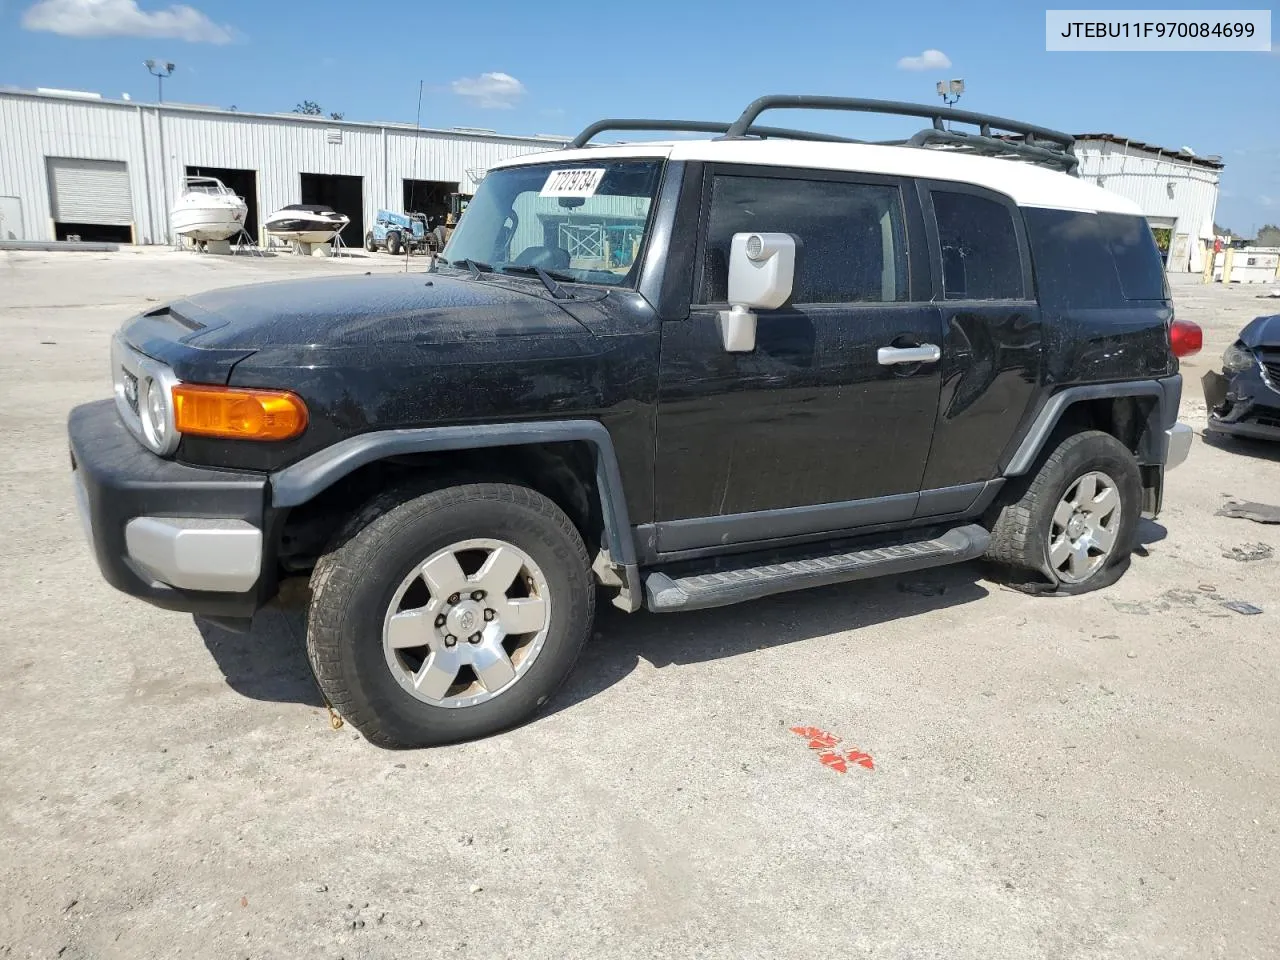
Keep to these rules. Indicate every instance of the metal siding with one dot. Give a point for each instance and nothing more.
(90, 191)
(1144, 178)
(37, 128)
(279, 149)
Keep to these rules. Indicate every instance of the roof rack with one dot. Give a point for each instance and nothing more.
(699, 126)
(995, 136)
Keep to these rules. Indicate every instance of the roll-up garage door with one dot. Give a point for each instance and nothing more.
(90, 191)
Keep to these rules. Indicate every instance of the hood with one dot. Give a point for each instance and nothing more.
(383, 309)
(1262, 332)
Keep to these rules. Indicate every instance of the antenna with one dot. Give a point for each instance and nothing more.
(417, 128)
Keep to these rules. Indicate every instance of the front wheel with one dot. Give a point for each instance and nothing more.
(370, 243)
(1075, 522)
(393, 243)
(450, 615)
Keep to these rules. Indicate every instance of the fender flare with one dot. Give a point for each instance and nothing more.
(296, 484)
(1164, 414)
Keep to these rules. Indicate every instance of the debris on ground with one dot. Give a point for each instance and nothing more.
(825, 742)
(1248, 510)
(1241, 606)
(1247, 552)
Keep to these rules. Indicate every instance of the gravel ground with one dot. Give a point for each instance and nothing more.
(1091, 777)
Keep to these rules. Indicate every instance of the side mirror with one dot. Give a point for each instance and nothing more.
(762, 269)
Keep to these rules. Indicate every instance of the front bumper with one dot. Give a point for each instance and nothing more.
(180, 537)
(1244, 404)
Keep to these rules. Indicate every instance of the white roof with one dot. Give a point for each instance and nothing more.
(1026, 184)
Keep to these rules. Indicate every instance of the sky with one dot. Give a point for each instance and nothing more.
(524, 67)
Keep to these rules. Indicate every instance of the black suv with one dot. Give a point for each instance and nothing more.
(693, 373)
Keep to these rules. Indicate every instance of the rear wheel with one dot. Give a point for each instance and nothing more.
(450, 615)
(1075, 522)
(393, 243)
(370, 244)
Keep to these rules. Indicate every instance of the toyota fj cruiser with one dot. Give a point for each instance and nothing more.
(691, 372)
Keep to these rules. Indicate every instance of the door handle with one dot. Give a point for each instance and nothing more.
(925, 353)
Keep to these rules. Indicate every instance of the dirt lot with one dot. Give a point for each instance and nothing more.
(1092, 777)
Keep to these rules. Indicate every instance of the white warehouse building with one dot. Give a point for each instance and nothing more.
(1177, 191)
(74, 164)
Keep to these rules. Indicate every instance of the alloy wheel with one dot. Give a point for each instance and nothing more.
(1084, 528)
(467, 623)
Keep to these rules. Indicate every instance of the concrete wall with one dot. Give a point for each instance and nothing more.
(279, 148)
(1170, 191)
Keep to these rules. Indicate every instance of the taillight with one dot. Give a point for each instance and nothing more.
(1185, 338)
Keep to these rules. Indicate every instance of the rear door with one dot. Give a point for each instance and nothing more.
(992, 344)
(817, 429)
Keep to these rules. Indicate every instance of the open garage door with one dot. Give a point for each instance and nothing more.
(91, 199)
(245, 185)
(345, 194)
(429, 197)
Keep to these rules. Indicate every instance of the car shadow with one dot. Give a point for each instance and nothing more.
(269, 661)
(622, 640)
(1244, 446)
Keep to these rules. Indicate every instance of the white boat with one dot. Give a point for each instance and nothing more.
(305, 223)
(207, 210)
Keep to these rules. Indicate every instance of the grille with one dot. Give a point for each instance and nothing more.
(1272, 367)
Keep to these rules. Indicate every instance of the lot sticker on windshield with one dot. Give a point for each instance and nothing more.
(572, 183)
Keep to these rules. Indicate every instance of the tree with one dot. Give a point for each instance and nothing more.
(309, 108)
(1222, 231)
(1268, 235)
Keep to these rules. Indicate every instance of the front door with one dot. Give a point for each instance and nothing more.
(821, 427)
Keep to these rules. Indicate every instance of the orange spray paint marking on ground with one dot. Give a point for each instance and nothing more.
(830, 757)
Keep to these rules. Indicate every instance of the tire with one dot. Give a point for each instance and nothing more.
(356, 651)
(370, 244)
(1031, 538)
(393, 243)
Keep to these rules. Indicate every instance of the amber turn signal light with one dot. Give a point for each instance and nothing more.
(237, 413)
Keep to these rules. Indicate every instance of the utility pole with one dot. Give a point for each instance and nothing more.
(160, 71)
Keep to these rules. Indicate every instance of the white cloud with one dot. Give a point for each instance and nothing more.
(122, 18)
(929, 60)
(493, 91)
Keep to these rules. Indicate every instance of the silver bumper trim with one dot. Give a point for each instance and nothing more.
(196, 554)
(82, 506)
(1178, 445)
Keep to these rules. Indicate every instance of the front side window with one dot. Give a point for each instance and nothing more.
(980, 259)
(584, 222)
(851, 243)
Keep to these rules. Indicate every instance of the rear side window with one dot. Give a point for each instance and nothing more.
(852, 246)
(1138, 261)
(1089, 260)
(980, 259)
(1074, 267)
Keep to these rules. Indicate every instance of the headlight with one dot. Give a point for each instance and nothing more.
(155, 414)
(1237, 359)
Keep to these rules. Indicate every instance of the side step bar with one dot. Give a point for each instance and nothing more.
(664, 594)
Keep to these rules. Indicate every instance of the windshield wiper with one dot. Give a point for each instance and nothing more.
(475, 266)
(548, 278)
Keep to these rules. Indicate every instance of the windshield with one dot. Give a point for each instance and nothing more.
(584, 221)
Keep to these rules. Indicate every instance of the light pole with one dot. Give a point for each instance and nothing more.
(160, 71)
(950, 91)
